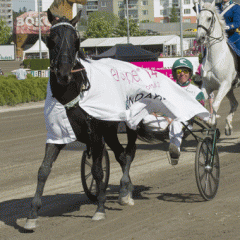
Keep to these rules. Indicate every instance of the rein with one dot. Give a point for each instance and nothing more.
(77, 70)
(72, 71)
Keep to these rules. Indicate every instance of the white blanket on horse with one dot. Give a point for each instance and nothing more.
(121, 91)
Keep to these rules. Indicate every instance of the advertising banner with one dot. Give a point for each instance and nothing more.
(28, 23)
(40, 73)
(7, 52)
(155, 66)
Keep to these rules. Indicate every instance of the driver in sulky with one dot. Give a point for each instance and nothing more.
(182, 70)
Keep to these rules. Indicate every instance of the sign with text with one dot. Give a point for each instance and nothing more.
(28, 23)
(40, 73)
(155, 66)
(7, 52)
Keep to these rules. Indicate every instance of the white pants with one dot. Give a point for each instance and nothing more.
(155, 124)
(176, 133)
(160, 123)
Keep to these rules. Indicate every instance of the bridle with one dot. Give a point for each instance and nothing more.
(54, 62)
(211, 27)
(215, 39)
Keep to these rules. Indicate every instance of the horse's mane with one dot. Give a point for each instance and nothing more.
(220, 18)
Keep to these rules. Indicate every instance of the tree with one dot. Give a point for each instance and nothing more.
(121, 29)
(5, 32)
(99, 28)
(107, 16)
(100, 25)
(104, 24)
(174, 15)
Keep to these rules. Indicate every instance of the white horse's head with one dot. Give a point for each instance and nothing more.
(211, 24)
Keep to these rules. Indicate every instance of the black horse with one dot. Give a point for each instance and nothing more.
(68, 79)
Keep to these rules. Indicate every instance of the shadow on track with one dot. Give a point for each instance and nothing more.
(59, 205)
(180, 197)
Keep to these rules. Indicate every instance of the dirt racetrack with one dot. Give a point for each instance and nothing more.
(167, 202)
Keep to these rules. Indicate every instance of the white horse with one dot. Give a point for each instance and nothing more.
(219, 69)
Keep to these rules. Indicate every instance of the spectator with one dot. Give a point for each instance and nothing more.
(1, 72)
(21, 73)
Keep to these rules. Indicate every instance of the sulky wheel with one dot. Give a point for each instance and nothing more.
(88, 182)
(207, 172)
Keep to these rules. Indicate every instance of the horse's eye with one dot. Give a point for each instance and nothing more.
(209, 19)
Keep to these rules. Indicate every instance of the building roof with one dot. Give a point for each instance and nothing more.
(129, 53)
(139, 41)
(35, 49)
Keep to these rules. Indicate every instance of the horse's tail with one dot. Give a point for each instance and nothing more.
(144, 134)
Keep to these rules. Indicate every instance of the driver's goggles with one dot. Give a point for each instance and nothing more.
(178, 71)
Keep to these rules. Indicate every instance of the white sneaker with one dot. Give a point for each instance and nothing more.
(174, 153)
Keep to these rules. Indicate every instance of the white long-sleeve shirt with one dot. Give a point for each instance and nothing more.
(21, 74)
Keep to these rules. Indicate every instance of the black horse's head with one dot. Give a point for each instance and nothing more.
(63, 43)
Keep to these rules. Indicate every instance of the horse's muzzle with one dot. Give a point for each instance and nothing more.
(64, 79)
(201, 37)
(201, 40)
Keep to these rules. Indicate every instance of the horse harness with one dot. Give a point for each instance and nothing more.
(53, 64)
(210, 29)
(75, 102)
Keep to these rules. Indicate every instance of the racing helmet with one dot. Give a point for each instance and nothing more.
(182, 62)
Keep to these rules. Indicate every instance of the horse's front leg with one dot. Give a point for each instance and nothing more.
(233, 104)
(223, 90)
(51, 153)
(126, 186)
(206, 96)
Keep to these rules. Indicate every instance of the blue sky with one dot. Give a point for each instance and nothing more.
(17, 4)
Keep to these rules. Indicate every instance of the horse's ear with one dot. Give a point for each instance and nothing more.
(213, 3)
(75, 20)
(51, 17)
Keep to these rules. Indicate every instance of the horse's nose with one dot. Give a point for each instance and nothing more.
(201, 40)
(63, 79)
(64, 75)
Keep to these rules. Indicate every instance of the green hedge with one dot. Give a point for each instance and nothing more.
(13, 91)
(37, 64)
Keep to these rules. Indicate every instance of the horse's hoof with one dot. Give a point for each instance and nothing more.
(99, 216)
(30, 224)
(127, 200)
(228, 132)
